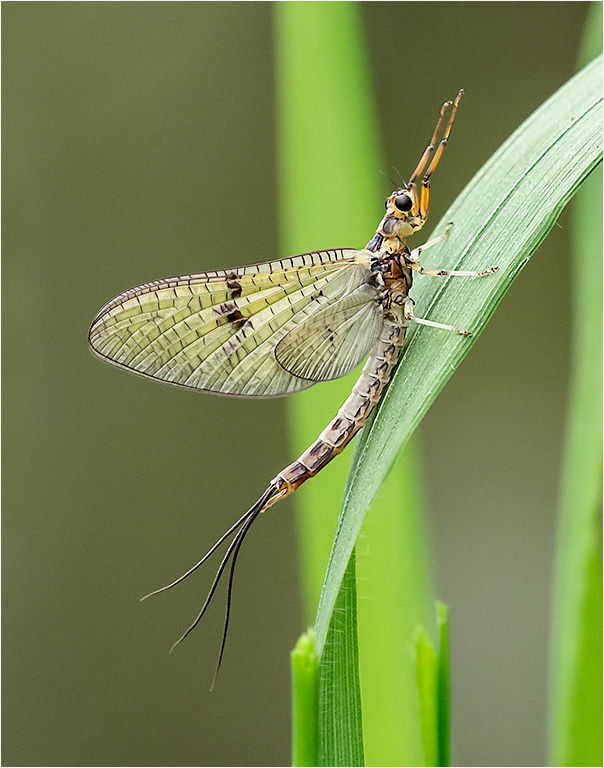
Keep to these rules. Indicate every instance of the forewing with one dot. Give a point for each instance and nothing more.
(333, 342)
(217, 331)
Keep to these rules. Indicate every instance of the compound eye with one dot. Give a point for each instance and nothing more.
(403, 202)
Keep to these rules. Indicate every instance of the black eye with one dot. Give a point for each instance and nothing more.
(403, 202)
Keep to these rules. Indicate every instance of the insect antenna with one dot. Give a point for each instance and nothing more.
(400, 175)
(390, 179)
(244, 524)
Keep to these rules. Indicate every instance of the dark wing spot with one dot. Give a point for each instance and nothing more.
(233, 285)
(236, 319)
(225, 309)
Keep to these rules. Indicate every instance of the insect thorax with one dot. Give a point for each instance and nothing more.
(391, 233)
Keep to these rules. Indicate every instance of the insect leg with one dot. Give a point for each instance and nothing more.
(417, 267)
(430, 148)
(415, 253)
(425, 190)
(409, 315)
(413, 258)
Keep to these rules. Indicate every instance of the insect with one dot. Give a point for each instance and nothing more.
(279, 327)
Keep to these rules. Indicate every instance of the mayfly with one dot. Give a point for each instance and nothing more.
(279, 327)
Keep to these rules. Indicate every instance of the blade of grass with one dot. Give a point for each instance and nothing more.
(328, 143)
(394, 596)
(432, 675)
(340, 718)
(321, 82)
(576, 647)
(305, 690)
(426, 662)
(444, 686)
(500, 219)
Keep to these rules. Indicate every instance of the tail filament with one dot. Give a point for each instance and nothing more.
(243, 524)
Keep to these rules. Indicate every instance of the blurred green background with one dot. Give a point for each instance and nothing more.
(140, 143)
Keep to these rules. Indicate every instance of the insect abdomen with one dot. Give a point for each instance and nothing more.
(353, 413)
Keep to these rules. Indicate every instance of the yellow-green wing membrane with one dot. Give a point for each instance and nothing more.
(333, 342)
(217, 331)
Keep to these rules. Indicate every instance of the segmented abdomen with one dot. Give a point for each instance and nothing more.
(352, 415)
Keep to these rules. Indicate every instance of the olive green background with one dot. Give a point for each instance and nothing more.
(140, 143)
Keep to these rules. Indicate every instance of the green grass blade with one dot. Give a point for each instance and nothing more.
(426, 662)
(305, 699)
(327, 145)
(576, 658)
(322, 80)
(340, 717)
(394, 597)
(500, 219)
(444, 687)
(432, 676)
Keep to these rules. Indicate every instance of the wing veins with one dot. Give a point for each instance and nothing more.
(288, 300)
(163, 330)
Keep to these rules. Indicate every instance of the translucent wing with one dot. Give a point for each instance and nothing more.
(217, 331)
(333, 342)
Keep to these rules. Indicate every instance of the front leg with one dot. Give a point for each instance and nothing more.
(413, 259)
(414, 255)
(417, 267)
